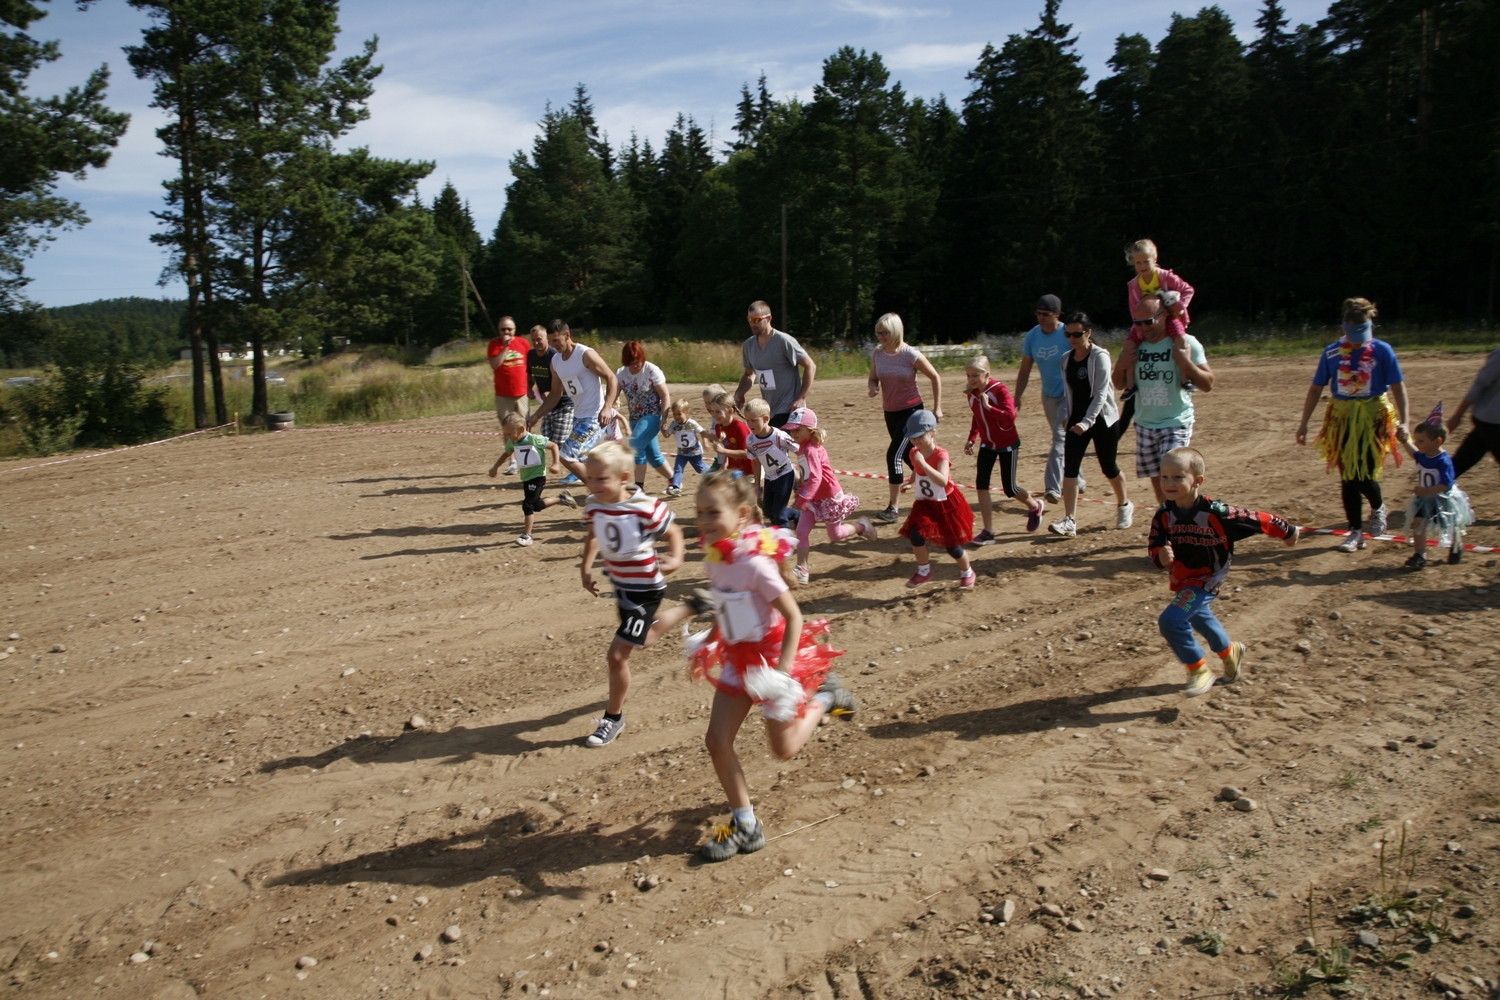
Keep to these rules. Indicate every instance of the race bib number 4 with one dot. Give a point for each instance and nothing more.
(765, 378)
(737, 619)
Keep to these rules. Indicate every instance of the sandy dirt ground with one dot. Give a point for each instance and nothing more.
(215, 645)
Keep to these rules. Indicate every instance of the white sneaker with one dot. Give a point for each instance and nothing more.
(800, 574)
(866, 530)
(1053, 497)
(523, 539)
(1124, 515)
(1066, 527)
(1200, 681)
(1378, 520)
(1353, 541)
(606, 733)
(510, 470)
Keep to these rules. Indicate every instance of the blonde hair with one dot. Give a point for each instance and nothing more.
(512, 419)
(1140, 246)
(1359, 310)
(757, 408)
(891, 324)
(817, 435)
(1190, 459)
(616, 456)
(978, 363)
(724, 401)
(680, 409)
(740, 492)
(713, 392)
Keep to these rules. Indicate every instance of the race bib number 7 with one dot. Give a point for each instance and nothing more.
(527, 456)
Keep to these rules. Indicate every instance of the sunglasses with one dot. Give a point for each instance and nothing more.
(1077, 334)
(1142, 322)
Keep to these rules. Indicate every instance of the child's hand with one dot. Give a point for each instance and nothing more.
(495, 470)
(588, 582)
(669, 564)
(1293, 538)
(554, 469)
(1165, 557)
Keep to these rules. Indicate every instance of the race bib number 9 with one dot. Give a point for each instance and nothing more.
(737, 619)
(929, 490)
(621, 534)
(765, 378)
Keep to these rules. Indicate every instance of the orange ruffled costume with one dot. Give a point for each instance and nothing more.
(726, 664)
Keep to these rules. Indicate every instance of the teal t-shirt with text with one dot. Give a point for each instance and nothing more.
(1160, 398)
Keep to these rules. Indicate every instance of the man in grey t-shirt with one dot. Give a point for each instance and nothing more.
(771, 361)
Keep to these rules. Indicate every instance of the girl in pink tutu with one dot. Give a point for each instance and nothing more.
(821, 497)
(940, 514)
(759, 651)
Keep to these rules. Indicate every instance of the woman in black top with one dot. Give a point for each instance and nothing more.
(1093, 415)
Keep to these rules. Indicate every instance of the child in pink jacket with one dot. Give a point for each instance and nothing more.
(1175, 292)
(821, 497)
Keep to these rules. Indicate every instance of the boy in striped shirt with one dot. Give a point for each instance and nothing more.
(624, 526)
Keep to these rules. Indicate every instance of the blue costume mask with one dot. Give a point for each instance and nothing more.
(1359, 333)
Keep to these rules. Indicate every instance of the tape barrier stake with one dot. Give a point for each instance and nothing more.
(1398, 539)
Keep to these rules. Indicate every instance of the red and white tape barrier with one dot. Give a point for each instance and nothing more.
(1398, 539)
(116, 451)
(389, 430)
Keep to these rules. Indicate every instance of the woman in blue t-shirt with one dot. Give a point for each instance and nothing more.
(1365, 418)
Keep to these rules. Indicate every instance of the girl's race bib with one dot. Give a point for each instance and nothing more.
(926, 489)
(737, 619)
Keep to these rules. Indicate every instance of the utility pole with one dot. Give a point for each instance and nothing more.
(785, 322)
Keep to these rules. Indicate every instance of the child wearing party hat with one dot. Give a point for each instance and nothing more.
(1437, 504)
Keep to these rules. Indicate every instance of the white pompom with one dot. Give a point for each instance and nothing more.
(780, 691)
(694, 642)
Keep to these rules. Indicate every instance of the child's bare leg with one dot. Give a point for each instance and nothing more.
(1161, 497)
(724, 722)
(667, 619)
(666, 473)
(619, 674)
(985, 509)
(530, 518)
(786, 738)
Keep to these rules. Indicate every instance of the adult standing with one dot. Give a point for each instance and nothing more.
(558, 424)
(645, 389)
(772, 359)
(1160, 368)
(894, 365)
(580, 374)
(1043, 348)
(1365, 418)
(1091, 414)
(1483, 400)
(507, 355)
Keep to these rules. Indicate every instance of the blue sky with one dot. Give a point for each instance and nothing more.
(465, 82)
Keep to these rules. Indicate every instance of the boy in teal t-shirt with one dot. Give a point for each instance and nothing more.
(535, 456)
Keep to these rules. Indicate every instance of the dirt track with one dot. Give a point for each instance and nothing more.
(214, 758)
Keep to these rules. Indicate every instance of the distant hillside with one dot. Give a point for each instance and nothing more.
(144, 330)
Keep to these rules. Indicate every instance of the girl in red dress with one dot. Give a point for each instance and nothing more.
(940, 514)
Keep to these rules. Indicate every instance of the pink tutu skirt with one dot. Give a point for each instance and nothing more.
(727, 666)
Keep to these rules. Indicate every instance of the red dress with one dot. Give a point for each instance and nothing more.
(941, 517)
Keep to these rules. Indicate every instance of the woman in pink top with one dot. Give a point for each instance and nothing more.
(822, 497)
(893, 373)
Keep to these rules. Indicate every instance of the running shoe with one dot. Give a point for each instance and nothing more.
(1066, 527)
(1377, 521)
(800, 574)
(1124, 515)
(985, 537)
(866, 530)
(570, 480)
(523, 539)
(1353, 541)
(888, 515)
(510, 470)
(967, 580)
(1418, 561)
(672, 491)
(1052, 496)
(844, 703)
(1034, 516)
(700, 600)
(566, 499)
(1200, 681)
(918, 578)
(728, 840)
(1232, 662)
(607, 732)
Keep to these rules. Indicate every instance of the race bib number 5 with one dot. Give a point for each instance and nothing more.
(687, 441)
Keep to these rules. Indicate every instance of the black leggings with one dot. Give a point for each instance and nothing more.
(1354, 491)
(895, 426)
(1106, 438)
(987, 458)
(1483, 438)
(918, 540)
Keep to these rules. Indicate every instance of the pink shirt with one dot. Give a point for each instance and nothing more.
(758, 576)
(1169, 282)
(897, 375)
(820, 483)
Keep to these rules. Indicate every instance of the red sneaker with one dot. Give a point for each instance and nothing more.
(967, 580)
(918, 578)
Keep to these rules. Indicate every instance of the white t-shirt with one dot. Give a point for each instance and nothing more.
(774, 451)
(582, 386)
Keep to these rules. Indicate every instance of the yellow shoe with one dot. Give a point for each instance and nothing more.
(1199, 681)
(1232, 661)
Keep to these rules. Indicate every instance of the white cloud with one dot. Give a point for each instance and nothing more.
(885, 11)
(924, 57)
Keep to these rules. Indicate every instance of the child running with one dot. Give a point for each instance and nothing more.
(710, 394)
(939, 512)
(994, 429)
(1193, 537)
(689, 436)
(764, 653)
(821, 497)
(730, 435)
(625, 524)
(534, 456)
(1437, 504)
(773, 448)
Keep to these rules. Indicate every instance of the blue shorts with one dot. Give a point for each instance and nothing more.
(585, 436)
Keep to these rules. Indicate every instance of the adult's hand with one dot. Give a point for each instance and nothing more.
(1078, 429)
(968, 447)
(937, 413)
(1302, 433)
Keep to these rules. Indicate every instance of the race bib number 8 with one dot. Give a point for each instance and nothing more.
(737, 619)
(928, 490)
(765, 378)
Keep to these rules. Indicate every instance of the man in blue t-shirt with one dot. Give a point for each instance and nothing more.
(1044, 347)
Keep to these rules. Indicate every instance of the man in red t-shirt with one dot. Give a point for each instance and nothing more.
(508, 358)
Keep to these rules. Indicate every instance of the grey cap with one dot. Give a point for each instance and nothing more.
(920, 423)
(1050, 303)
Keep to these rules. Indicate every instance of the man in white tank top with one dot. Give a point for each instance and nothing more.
(578, 372)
